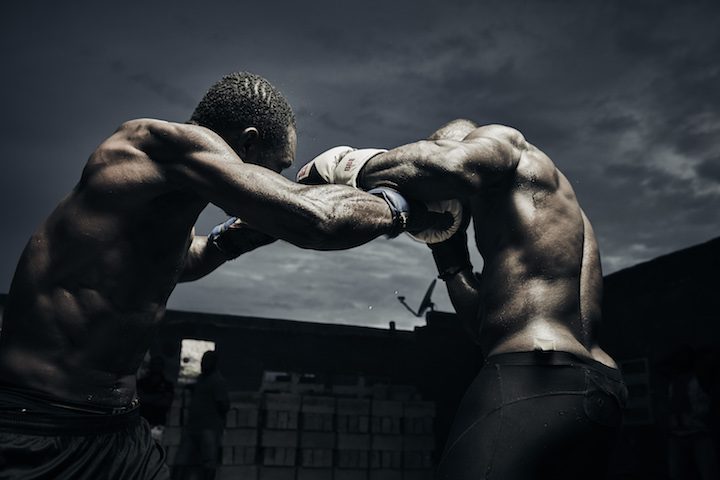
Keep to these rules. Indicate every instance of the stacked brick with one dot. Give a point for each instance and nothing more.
(320, 436)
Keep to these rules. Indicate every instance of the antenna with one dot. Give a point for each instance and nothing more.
(426, 301)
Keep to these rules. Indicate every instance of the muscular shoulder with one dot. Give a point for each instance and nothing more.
(500, 133)
(162, 140)
(530, 163)
(137, 159)
(496, 149)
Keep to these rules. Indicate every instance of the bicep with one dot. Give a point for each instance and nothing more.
(442, 169)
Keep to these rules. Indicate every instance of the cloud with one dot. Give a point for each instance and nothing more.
(354, 286)
(621, 95)
(709, 169)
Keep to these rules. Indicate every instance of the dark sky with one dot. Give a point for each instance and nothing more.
(623, 96)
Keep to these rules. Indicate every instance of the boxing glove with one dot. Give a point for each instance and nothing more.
(411, 216)
(233, 238)
(441, 232)
(339, 165)
(452, 255)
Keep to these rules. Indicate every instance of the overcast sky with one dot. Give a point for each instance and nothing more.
(622, 95)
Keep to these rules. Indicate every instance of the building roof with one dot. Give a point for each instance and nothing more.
(174, 317)
(698, 261)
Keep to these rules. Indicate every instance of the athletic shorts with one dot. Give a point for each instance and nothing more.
(41, 438)
(536, 415)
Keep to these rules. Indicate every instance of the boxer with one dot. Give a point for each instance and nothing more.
(547, 403)
(91, 286)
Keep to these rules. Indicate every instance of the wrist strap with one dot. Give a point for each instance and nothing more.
(215, 238)
(399, 207)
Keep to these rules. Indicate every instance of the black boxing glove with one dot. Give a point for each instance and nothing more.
(233, 238)
(452, 255)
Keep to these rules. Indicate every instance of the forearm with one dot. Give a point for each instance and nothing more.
(452, 259)
(330, 217)
(464, 291)
(202, 258)
(327, 217)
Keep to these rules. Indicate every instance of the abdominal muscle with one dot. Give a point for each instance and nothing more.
(74, 357)
(66, 382)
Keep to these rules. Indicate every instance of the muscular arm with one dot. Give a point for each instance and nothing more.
(447, 168)
(202, 258)
(591, 284)
(464, 292)
(464, 288)
(318, 217)
(227, 241)
(452, 259)
(591, 291)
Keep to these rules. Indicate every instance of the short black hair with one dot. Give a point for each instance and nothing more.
(241, 100)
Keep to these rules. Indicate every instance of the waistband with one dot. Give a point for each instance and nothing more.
(26, 411)
(553, 357)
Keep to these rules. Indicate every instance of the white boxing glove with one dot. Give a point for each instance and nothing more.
(435, 235)
(321, 169)
(339, 165)
(349, 166)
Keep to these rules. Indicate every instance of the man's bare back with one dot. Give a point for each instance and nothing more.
(541, 284)
(546, 403)
(541, 280)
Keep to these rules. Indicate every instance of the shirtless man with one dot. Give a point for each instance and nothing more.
(91, 286)
(547, 403)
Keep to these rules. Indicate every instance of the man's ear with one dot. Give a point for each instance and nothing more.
(248, 143)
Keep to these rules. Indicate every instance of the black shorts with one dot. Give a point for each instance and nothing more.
(536, 415)
(42, 439)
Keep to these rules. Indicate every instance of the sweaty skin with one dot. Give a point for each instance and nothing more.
(541, 284)
(91, 285)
